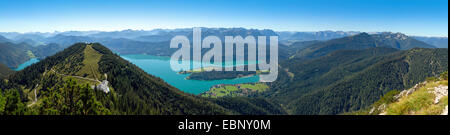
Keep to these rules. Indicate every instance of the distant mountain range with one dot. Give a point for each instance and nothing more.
(164, 35)
(155, 42)
(13, 54)
(360, 42)
(324, 74)
(439, 42)
(292, 37)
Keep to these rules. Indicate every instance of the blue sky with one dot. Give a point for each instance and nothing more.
(412, 17)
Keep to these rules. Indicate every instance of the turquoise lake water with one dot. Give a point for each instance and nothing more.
(26, 64)
(160, 67)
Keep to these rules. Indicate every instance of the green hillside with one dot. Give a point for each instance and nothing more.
(72, 82)
(347, 81)
(426, 98)
(79, 67)
(298, 76)
(5, 71)
(331, 77)
(12, 55)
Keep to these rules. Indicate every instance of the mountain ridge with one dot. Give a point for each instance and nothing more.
(13, 55)
(146, 103)
(131, 90)
(340, 86)
(360, 42)
(159, 35)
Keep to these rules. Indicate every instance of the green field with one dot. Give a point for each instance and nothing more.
(90, 62)
(256, 87)
(235, 90)
(30, 54)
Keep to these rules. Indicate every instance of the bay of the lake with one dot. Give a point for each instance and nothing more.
(160, 67)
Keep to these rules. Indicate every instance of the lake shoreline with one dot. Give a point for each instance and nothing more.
(159, 66)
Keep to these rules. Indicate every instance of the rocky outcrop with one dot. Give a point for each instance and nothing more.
(103, 86)
(410, 91)
(445, 112)
(440, 92)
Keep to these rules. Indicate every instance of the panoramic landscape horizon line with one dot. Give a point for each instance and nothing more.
(224, 66)
(187, 28)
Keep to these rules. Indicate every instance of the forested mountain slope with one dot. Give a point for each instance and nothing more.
(351, 80)
(426, 98)
(13, 55)
(90, 79)
(132, 90)
(5, 71)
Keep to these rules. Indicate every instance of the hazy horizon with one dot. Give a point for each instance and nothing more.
(57, 32)
(418, 17)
